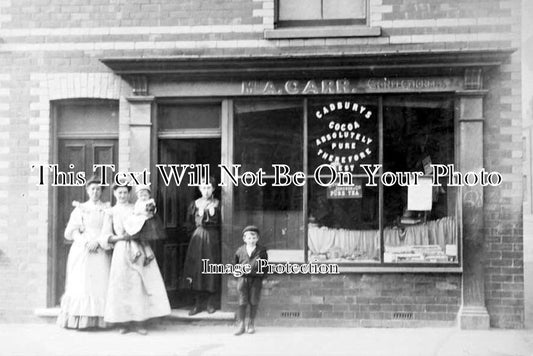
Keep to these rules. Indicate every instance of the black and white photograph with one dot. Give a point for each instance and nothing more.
(266, 177)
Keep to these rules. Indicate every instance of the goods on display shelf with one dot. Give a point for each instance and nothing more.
(414, 253)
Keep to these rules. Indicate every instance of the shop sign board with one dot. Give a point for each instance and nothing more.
(353, 191)
(343, 86)
(306, 86)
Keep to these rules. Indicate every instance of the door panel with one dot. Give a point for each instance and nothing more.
(82, 154)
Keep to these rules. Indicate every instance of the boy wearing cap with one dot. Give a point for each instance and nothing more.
(249, 285)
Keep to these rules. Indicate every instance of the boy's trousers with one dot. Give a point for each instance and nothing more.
(249, 289)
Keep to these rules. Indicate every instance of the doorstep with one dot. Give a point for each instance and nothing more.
(46, 312)
(183, 314)
(176, 314)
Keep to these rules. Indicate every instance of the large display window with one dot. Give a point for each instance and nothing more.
(269, 132)
(386, 140)
(419, 132)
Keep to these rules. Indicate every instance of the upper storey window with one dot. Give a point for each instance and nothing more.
(321, 12)
(321, 19)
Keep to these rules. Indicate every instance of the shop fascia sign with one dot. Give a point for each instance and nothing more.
(342, 86)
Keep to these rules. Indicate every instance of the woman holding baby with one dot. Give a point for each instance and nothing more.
(126, 289)
(136, 290)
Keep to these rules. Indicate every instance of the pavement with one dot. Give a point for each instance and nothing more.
(194, 340)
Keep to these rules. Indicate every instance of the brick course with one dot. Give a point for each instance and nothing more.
(359, 299)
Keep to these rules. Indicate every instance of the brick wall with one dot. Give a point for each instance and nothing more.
(25, 116)
(97, 13)
(504, 280)
(215, 27)
(369, 300)
(23, 239)
(43, 42)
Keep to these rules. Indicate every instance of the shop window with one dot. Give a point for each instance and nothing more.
(419, 225)
(267, 133)
(321, 12)
(277, 211)
(343, 218)
(350, 221)
(343, 229)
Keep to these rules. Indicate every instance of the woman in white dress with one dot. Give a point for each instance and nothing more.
(136, 290)
(83, 304)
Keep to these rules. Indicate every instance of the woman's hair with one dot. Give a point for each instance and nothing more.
(116, 186)
(213, 182)
(94, 179)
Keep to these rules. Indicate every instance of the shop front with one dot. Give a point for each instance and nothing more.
(340, 140)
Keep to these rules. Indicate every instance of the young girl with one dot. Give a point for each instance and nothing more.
(204, 244)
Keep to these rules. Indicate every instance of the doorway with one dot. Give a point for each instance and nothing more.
(85, 133)
(82, 154)
(173, 204)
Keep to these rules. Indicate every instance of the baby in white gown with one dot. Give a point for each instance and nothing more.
(144, 210)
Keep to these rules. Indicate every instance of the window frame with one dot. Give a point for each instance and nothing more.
(378, 266)
(282, 24)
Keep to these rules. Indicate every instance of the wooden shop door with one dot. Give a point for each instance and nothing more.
(173, 203)
(82, 153)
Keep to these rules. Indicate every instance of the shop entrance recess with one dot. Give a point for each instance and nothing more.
(188, 134)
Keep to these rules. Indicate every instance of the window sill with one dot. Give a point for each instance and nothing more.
(380, 269)
(322, 32)
(297, 257)
(400, 269)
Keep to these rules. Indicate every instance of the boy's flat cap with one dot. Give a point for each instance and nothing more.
(252, 228)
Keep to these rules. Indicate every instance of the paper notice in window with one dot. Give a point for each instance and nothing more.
(419, 197)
